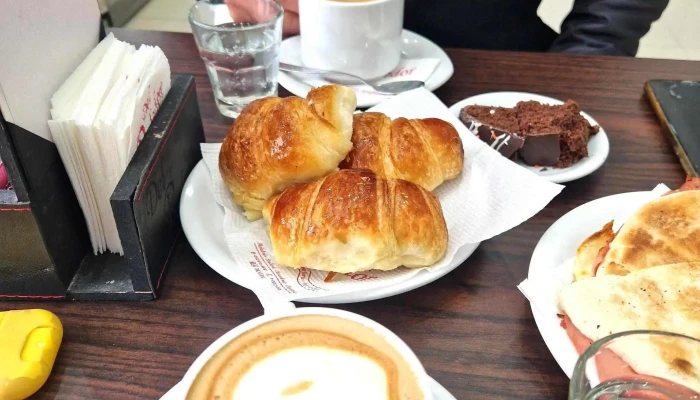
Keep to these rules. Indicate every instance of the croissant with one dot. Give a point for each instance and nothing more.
(277, 142)
(424, 151)
(353, 221)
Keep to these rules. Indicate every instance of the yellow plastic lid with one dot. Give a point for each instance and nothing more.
(29, 342)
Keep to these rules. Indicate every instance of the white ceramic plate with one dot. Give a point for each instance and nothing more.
(202, 221)
(414, 46)
(598, 146)
(559, 244)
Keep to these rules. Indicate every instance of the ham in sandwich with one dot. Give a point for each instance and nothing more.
(663, 298)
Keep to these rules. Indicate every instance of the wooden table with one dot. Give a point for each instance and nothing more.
(472, 329)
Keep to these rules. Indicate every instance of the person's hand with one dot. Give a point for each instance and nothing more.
(247, 10)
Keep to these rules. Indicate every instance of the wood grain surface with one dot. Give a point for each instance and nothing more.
(472, 329)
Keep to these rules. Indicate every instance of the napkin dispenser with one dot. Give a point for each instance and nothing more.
(45, 251)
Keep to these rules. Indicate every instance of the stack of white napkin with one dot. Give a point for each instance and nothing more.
(99, 116)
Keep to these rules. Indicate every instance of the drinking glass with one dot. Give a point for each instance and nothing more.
(241, 53)
(663, 366)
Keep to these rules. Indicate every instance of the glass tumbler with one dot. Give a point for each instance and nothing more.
(240, 50)
(640, 365)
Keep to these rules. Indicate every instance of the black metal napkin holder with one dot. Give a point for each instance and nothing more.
(45, 250)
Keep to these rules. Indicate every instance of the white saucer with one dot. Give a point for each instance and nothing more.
(558, 245)
(202, 221)
(598, 146)
(414, 46)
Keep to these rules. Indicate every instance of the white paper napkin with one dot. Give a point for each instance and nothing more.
(491, 196)
(543, 290)
(99, 115)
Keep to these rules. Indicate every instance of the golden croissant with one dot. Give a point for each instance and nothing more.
(353, 221)
(277, 142)
(424, 151)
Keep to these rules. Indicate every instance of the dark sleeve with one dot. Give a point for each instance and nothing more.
(611, 27)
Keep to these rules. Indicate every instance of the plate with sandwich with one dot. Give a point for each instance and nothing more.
(622, 263)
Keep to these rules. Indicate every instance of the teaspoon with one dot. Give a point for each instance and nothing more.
(342, 78)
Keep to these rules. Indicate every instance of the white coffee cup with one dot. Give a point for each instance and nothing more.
(362, 38)
(181, 389)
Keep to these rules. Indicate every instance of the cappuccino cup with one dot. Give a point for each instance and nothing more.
(358, 37)
(307, 354)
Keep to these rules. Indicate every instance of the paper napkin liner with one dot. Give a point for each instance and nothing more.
(491, 196)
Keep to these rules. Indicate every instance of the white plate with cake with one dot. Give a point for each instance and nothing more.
(625, 262)
(552, 138)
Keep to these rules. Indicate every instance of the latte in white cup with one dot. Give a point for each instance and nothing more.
(308, 354)
(362, 38)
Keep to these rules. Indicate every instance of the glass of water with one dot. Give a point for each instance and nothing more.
(640, 365)
(241, 52)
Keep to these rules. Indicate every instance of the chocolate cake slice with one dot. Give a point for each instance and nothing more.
(554, 135)
(565, 120)
(500, 117)
(541, 149)
(494, 125)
